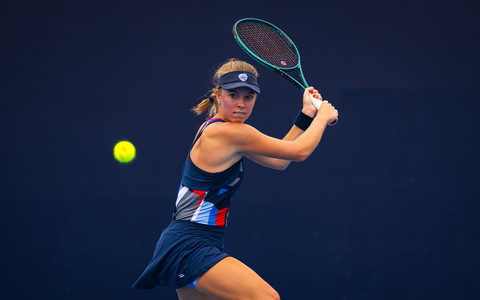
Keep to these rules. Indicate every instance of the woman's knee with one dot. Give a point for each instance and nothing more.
(275, 295)
(270, 294)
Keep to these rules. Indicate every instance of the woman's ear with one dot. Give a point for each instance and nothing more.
(217, 94)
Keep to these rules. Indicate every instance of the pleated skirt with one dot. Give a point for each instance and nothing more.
(184, 252)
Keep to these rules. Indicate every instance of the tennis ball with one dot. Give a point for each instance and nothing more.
(124, 152)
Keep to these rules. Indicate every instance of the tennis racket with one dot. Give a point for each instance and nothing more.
(270, 46)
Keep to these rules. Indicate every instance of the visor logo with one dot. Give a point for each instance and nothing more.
(243, 77)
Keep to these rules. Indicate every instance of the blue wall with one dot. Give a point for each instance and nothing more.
(385, 208)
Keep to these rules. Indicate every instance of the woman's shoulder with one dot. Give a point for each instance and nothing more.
(228, 128)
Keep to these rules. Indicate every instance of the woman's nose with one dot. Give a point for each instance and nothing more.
(241, 102)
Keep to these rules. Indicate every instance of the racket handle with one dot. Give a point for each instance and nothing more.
(317, 104)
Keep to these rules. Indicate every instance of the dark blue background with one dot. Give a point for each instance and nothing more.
(385, 208)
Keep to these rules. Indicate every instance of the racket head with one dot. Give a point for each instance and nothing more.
(267, 44)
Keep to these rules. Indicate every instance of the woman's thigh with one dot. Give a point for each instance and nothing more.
(188, 293)
(231, 279)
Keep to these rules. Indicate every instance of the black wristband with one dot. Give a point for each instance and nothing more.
(302, 121)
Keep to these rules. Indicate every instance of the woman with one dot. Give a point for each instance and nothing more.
(189, 255)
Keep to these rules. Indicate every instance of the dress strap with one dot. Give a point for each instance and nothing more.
(211, 121)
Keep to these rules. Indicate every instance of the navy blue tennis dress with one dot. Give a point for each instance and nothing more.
(194, 240)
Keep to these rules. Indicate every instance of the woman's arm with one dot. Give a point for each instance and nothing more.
(245, 139)
(281, 164)
(276, 163)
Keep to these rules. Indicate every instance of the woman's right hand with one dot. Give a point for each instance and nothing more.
(308, 108)
(327, 111)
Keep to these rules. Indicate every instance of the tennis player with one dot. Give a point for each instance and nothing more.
(189, 255)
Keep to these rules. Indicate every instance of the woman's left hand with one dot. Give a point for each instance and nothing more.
(308, 108)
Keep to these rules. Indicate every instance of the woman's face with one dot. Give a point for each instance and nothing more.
(236, 105)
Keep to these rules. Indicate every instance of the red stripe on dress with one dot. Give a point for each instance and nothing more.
(201, 194)
(220, 218)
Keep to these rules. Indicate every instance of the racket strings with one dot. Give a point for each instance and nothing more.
(268, 43)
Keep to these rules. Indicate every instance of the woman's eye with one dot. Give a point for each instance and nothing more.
(233, 95)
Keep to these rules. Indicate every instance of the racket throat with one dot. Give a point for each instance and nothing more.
(289, 78)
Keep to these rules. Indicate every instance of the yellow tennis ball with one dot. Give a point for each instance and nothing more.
(124, 151)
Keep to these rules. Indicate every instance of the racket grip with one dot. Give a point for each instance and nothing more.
(317, 103)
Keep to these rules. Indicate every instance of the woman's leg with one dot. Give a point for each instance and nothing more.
(188, 293)
(230, 279)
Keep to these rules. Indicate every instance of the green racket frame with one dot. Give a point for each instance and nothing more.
(279, 70)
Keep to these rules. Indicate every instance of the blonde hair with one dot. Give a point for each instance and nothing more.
(210, 104)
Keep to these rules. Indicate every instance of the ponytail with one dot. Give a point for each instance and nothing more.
(209, 104)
